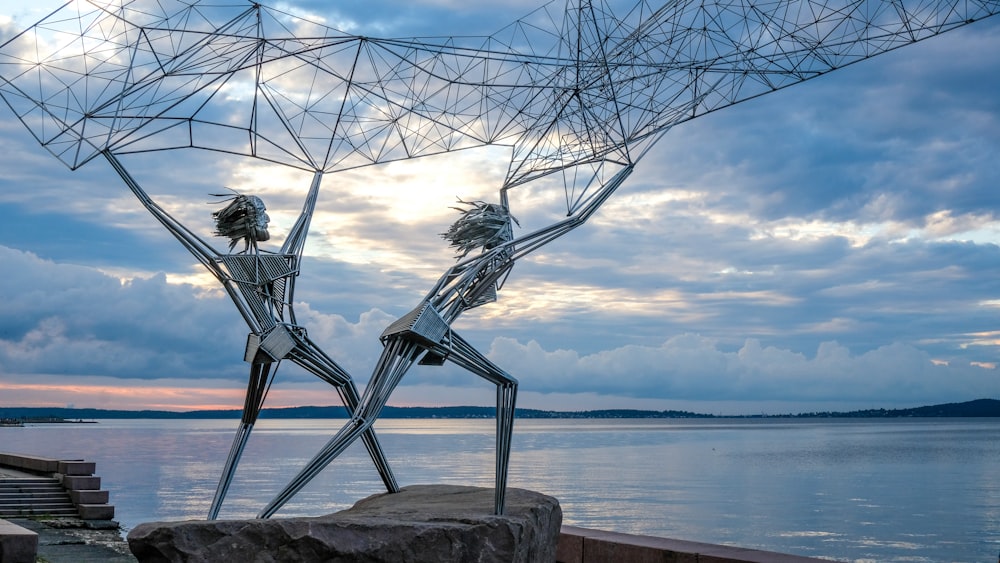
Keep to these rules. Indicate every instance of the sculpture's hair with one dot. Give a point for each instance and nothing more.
(482, 225)
(244, 218)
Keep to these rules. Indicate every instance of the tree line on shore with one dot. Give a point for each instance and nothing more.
(976, 408)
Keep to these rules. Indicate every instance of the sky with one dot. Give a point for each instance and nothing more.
(831, 246)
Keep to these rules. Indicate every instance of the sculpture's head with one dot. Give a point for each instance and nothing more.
(261, 220)
(244, 218)
(482, 225)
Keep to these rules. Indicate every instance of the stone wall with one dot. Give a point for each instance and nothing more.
(583, 545)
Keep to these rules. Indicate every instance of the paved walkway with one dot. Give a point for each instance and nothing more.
(70, 540)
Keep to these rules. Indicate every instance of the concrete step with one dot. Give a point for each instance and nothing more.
(39, 496)
(35, 499)
(37, 486)
(8, 483)
(30, 492)
(29, 481)
(40, 508)
(29, 513)
(34, 494)
(31, 487)
(60, 509)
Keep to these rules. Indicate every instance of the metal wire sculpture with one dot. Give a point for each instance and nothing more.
(582, 90)
(262, 285)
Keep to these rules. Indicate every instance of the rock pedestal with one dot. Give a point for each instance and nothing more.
(421, 523)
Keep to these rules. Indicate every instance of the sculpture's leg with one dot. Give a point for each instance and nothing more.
(260, 380)
(397, 357)
(310, 357)
(349, 394)
(465, 355)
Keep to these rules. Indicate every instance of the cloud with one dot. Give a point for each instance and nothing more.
(389, 18)
(834, 241)
(691, 367)
(74, 320)
(897, 138)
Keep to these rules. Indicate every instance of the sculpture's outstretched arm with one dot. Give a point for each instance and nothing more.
(296, 241)
(456, 291)
(199, 248)
(195, 245)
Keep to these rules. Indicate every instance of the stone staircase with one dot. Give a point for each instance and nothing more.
(38, 496)
(43, 486)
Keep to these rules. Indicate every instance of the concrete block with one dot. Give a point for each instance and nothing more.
(599, 546)
(29, 463)
(89, 497)
(17, 544)
(96, 511)
(570, 547)
(601, 550)
(75, 467)
(41, 465)
(81, 483)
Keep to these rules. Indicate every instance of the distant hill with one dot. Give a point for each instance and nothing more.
(976, 408)
(40, 414)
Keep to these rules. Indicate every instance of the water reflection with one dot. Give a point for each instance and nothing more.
(853, 490)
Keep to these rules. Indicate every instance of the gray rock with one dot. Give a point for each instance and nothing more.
(432, 523)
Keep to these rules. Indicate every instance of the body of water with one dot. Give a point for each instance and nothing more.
(853, 490)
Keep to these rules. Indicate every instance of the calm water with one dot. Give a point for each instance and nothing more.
(899, 490)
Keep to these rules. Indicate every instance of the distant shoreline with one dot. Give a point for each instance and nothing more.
(42, 415)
